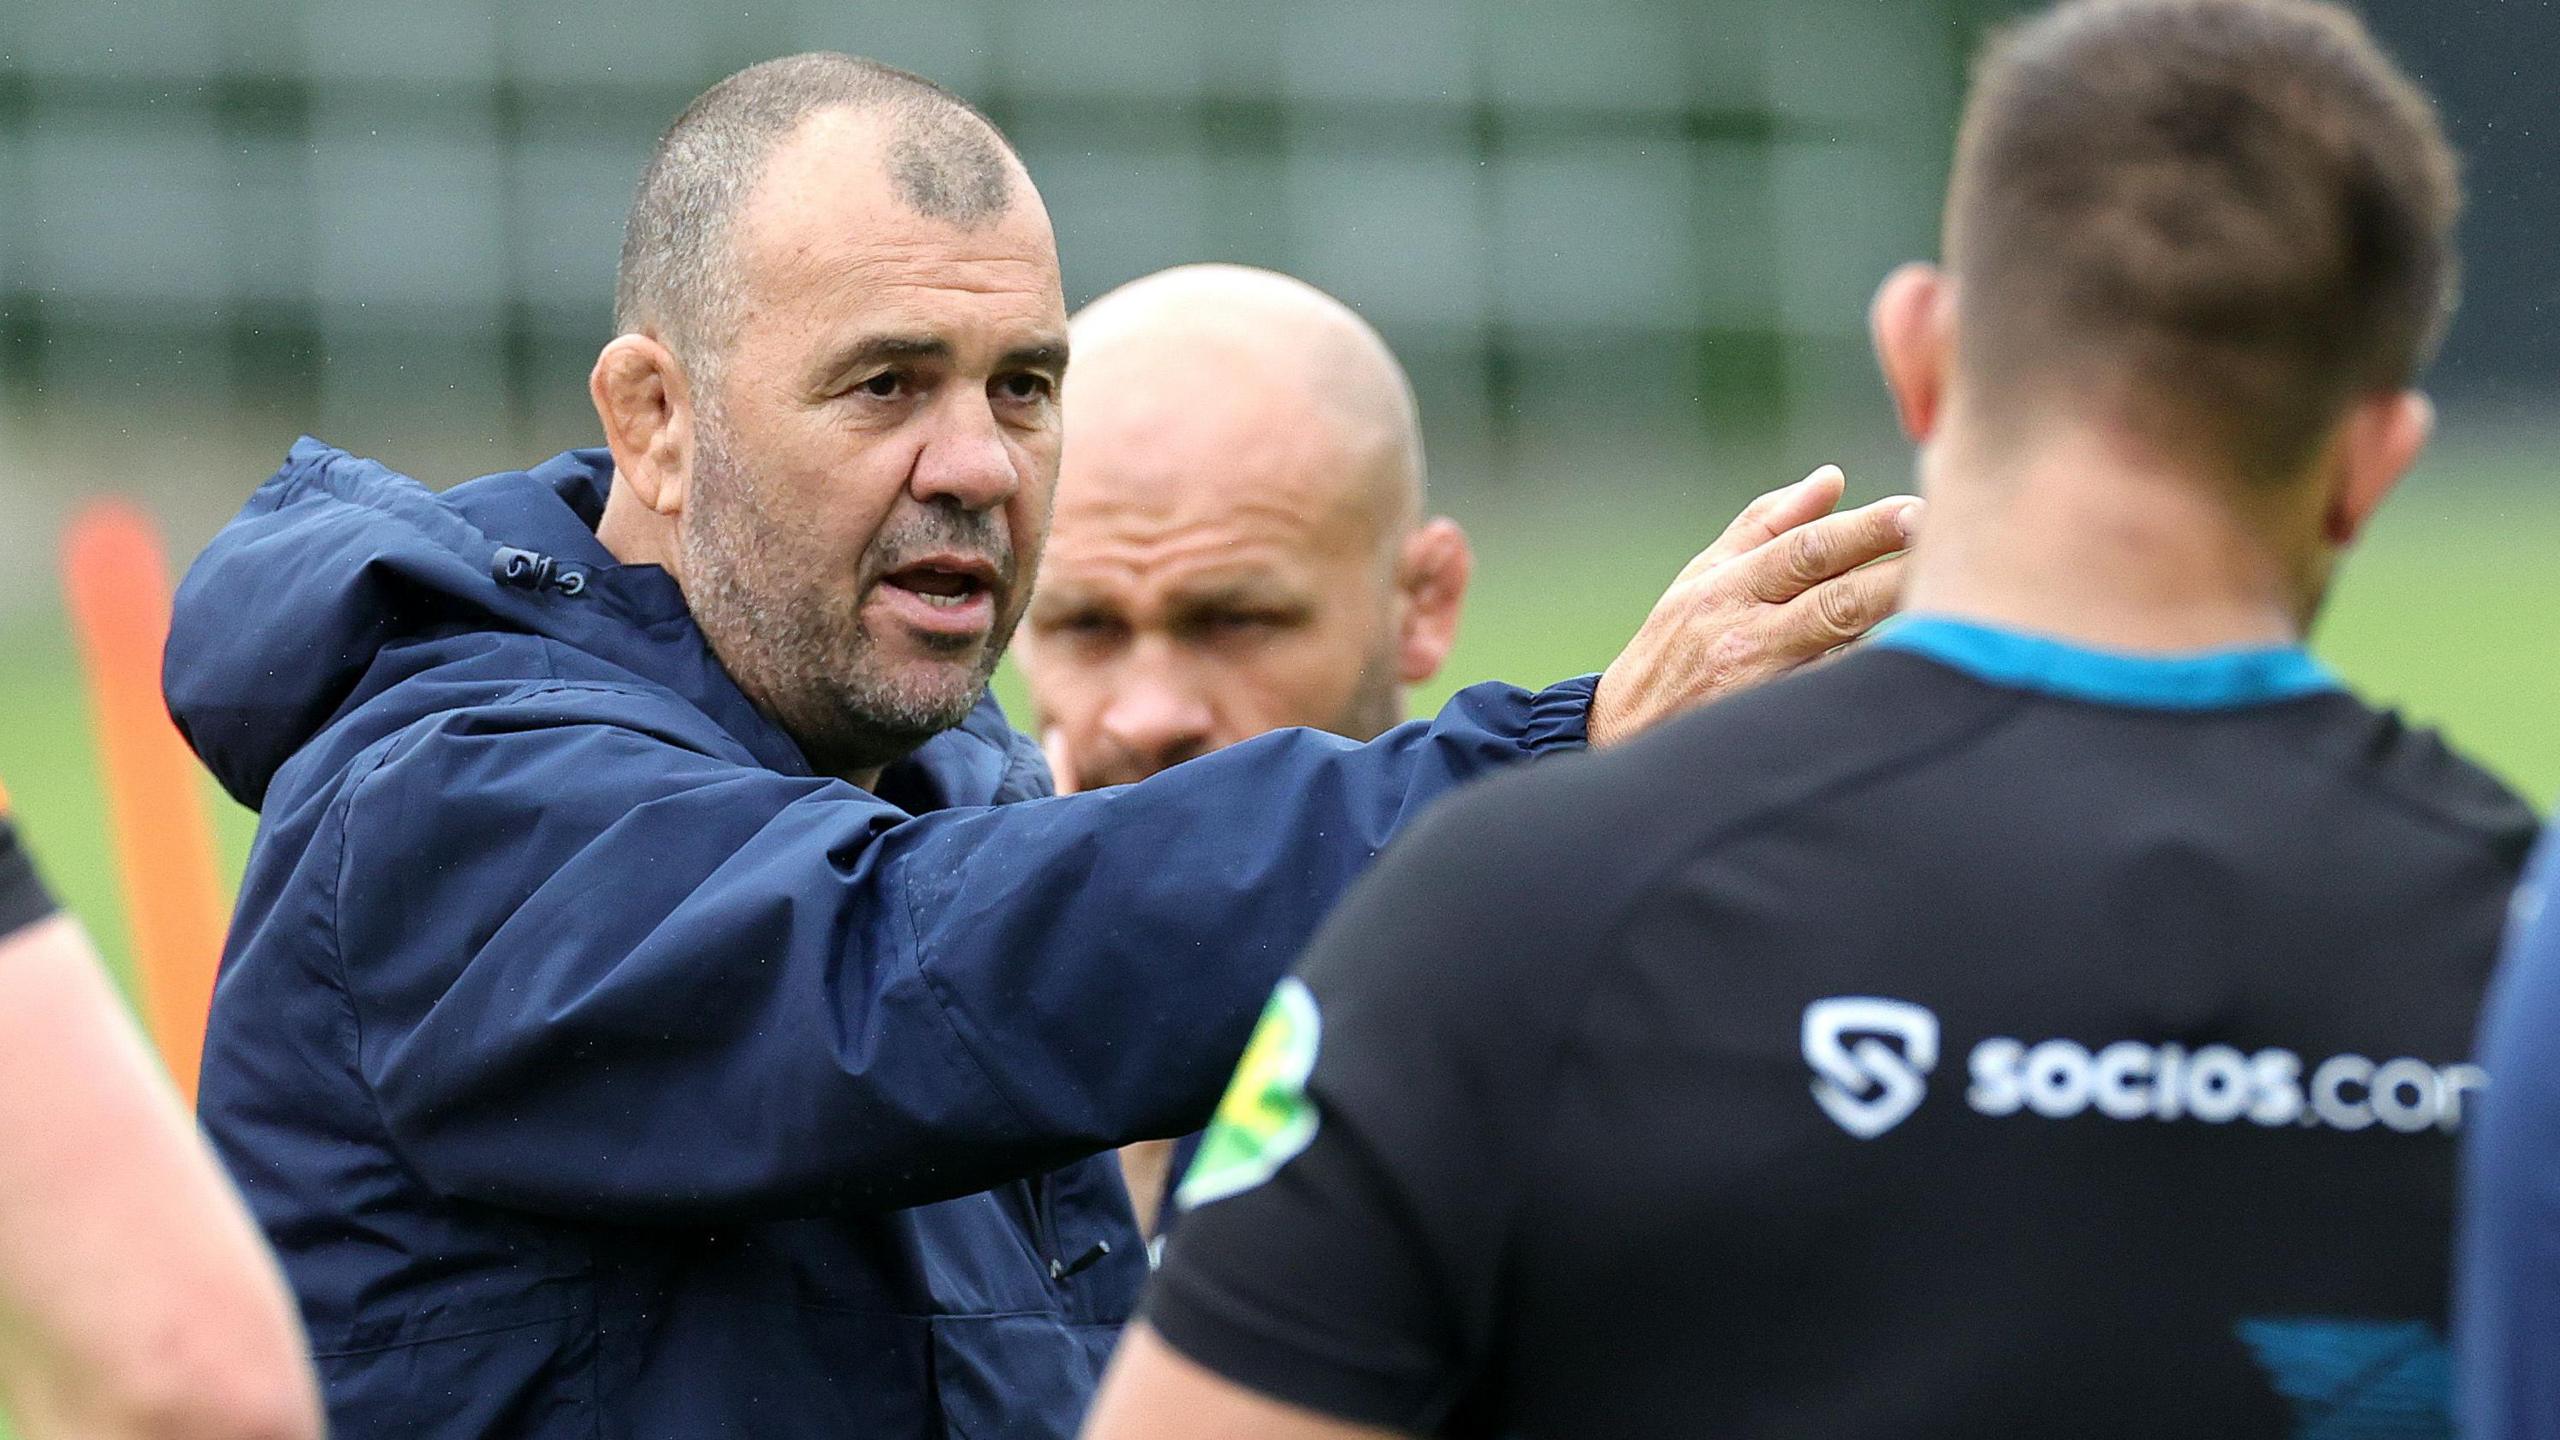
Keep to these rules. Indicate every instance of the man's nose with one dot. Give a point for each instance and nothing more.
(965, 459)
(1157, 719)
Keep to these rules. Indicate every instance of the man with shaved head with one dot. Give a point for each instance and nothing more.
(663, 1001)
(1241, 544)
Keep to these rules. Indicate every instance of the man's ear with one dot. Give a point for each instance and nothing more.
(1431, 581)
(645, 402)
(2378, 441)
(1913, 323)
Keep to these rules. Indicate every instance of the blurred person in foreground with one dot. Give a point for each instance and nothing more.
(662, 1001)
(2049, 1018)
(136, 1299)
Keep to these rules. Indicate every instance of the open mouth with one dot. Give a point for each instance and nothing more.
(944, 585)
(946, 600)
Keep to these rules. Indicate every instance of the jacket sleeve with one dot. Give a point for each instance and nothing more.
(600, 970)
(2506, 1324)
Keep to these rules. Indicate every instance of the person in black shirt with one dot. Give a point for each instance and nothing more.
(2052, 1018)
(23, 898)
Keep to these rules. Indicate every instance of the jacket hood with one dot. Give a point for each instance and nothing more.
(337, 560)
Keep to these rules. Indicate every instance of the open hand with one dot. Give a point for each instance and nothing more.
(1786, 584)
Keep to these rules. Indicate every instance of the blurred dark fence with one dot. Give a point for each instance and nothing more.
(1658, 219)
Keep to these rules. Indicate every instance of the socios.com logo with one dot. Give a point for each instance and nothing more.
(1871, 1060)
(2218, 1084)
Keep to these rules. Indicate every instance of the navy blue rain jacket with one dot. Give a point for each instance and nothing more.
(2506, 1333)
(598, 1071)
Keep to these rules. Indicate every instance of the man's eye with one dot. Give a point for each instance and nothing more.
(1026, 386)
(882, 386)
(1087, 625)
(1242, 622)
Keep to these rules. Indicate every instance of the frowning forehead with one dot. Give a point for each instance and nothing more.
(1199, 549)
(1187, 522)
(1169, 590)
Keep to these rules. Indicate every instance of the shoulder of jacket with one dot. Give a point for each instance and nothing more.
(537, 708)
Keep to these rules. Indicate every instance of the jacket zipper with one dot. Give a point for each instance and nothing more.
(1044, 1212)
(1044, 1208)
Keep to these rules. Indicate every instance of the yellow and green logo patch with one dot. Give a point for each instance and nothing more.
(1266, 1117)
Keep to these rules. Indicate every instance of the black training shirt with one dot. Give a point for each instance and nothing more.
(1977, 1036)
(23, 900)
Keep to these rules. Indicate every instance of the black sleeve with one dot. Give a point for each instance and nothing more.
(23, 900)
(1349, 1205)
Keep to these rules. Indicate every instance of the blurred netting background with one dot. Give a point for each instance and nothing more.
(1625, 247)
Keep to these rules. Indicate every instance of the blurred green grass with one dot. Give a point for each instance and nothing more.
(2448, 611)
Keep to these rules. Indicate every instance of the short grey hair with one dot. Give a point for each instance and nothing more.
(678, 278)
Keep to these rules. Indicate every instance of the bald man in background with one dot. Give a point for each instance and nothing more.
(1239, 541)
(1240, 544)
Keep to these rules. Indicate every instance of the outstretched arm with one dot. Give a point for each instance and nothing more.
(745, 992)
(748, 992)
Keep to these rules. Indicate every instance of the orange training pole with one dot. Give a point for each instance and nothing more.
(116, 580)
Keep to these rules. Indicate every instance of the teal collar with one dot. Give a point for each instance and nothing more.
(2193, 680)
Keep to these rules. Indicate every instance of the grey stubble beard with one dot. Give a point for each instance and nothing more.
(810, 669)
